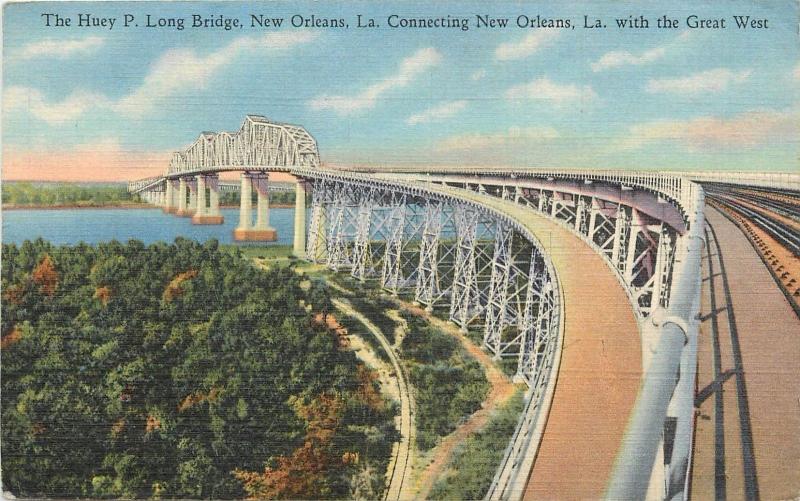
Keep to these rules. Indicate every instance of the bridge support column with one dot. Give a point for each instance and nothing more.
(245, 208)
(191, 208)
(246, 231)
(299, 247)
(207, 215)
(361, 245)
(620, 232)
(262, 210)
(169, 197)
(464, 301)
(580, 208)
(630, 258)
(427, 291)
(183, 210)
(317, 248)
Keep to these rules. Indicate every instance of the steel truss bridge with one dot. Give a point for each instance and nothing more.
(476, 246)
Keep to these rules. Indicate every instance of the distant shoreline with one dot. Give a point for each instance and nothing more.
(130, 205)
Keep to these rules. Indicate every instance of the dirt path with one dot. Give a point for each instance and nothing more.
(501, 390)
(399, 469)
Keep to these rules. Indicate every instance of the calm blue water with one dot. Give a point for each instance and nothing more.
(71, 226)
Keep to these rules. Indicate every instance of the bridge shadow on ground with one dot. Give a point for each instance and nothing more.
(734, 462)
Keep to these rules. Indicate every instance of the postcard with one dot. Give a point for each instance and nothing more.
(400, 250)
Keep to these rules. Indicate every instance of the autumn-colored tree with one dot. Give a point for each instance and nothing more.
(175, 287)
(367, 392)
(46, 276)
(302, 474)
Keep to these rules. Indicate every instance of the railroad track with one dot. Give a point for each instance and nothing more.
(776, 241)
(785, 234)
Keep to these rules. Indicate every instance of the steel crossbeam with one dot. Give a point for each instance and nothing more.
(472, 270)
(428, 290)
(507, 293)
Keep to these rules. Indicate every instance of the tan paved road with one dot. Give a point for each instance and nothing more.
(600, 365)
(747, 440)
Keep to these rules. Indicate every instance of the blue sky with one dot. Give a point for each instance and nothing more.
(659, 99)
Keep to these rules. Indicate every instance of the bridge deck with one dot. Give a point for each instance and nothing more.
(600, 366)
(747, 442)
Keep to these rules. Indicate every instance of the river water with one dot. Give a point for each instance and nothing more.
(70, 226)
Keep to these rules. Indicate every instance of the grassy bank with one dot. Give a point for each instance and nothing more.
(476, 460)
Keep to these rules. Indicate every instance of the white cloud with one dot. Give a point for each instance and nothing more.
(175, 71)
(478, 75)
(410, 68)
(53, 113)
(436, 113)
(706, 81)
(60, 49)
(547, 90)
(532, 42)
(513, 137)
(746, 130)
(178, 69)
(617, 58)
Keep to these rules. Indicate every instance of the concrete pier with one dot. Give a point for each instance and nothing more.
(208, 214)
(261, 231)
(191, 208)
(171, 207)
(182, 206)
(299, 248)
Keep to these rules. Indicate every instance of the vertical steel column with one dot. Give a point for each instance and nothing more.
(497, 304)
(299, 244)
(592, 219)
(361, 247)
(620, 233)
(633, 234)
(427, 291)
(317, 249)
(391, 274)
(526, 366)
(465, 280)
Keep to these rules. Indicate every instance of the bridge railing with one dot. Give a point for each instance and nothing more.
(775, 180)
(678, 189)
(144, 184)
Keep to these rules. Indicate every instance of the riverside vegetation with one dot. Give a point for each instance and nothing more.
(180, 371)
(28, 194)
(25, 194)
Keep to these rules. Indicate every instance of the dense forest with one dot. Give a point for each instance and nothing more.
(55, 194)
(180, 370)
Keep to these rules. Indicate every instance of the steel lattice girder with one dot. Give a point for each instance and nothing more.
(538, 325)
(472, 270)
(437, 254)
(438, 247)
(427, 290)
(317, 241)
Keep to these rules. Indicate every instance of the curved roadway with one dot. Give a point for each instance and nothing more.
(601, 363)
